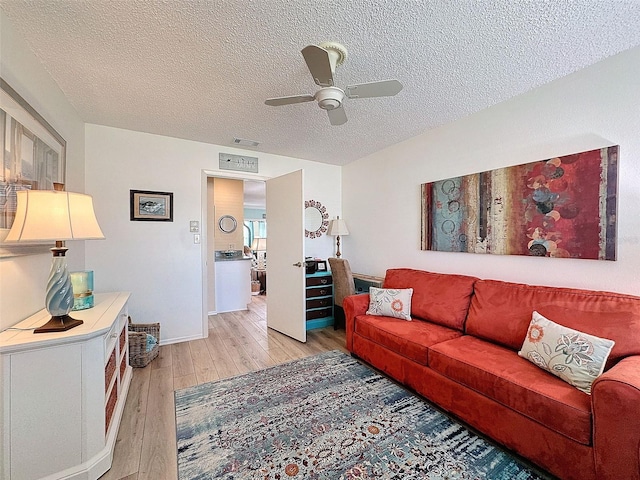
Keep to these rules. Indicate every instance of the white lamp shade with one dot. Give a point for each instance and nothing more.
(338, 227)
(259, 244)
(47, 215)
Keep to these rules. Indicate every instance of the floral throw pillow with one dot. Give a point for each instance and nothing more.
(577, 358)
(390, 302)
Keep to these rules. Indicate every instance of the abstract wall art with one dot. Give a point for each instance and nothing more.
(32, 157)
(563, 207)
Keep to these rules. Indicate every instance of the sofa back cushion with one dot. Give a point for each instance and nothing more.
(440, 298)
(501, 312)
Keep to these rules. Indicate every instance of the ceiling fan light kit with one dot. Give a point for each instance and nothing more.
(322, 61)
(329, 98)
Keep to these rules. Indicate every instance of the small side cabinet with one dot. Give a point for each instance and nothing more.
(62, 394)
(319, 300)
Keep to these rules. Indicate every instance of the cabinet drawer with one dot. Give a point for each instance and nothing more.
(110, 408)
(321, 313)
(319, 291)
(123, 339)
(319, 302)
(109, 370)
(123, 364)
(314, 281)
(110, 339)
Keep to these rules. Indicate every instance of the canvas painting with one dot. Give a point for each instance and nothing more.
(562, 207)
(32, 153)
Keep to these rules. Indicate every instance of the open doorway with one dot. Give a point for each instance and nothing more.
(234, 217)
(255, 212)
(255, 233)
(284, 197)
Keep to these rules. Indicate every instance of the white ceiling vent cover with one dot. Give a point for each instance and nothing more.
(244, 142)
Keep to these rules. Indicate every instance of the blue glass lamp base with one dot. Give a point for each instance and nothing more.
(59, 295)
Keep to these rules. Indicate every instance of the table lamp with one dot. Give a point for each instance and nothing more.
(259, 244)
(338, 227)
(45, 216)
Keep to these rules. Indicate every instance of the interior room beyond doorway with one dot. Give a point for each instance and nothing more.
(236, 242)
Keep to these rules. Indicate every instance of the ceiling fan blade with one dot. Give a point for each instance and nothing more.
(384, 88)
(319, 64)
(337, 116)
(276, 102)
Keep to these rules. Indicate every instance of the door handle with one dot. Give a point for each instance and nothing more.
(299, 264)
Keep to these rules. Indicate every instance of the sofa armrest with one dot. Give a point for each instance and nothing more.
(615, 400)
(353, 305)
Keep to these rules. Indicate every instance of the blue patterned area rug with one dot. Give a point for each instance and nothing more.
(326, 417)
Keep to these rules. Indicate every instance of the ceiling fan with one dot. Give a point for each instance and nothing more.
(322, 61)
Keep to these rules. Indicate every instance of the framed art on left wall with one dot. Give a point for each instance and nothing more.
(33, 158)
(151, 206)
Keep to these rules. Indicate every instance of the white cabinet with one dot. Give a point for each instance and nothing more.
(62, 394)
(233, 285)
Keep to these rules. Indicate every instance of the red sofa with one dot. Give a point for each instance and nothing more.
(460, 352)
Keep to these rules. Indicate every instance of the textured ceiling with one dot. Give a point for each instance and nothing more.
(201, 70)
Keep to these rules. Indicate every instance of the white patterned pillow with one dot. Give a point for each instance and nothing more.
(577, 358)
(390, 302)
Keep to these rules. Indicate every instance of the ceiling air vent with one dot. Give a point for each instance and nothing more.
(244, 142)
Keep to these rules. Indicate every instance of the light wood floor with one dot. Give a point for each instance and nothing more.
(239, 342)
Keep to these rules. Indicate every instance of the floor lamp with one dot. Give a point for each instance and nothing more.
(338, 227)
(47, 216)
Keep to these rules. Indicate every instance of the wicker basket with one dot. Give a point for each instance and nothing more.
(138, 355)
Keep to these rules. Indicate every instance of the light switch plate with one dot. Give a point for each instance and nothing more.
(194, 226)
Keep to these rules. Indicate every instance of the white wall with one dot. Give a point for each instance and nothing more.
(23, 279)
(595, 107)
(158, 261)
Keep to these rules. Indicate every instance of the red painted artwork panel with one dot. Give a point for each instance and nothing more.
(563, 207)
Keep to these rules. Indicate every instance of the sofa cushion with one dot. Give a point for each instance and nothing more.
(501, 312)
(440, 298)
(409, 339)
(390, 302)
(503, 376)
(575, 357)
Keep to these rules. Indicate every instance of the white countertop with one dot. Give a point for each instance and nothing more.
(21, 336)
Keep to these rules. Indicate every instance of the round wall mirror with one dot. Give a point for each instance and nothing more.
(316, 219)
(227, 224)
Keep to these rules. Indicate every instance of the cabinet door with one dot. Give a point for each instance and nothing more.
(58, 372)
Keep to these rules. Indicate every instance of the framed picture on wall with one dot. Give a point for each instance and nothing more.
(151, 206)
(33, 156)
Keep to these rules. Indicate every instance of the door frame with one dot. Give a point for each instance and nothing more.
(204, 217)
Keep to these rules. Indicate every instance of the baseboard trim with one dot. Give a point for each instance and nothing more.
(169, 341)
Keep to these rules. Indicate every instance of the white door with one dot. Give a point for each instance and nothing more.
(285, 255)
